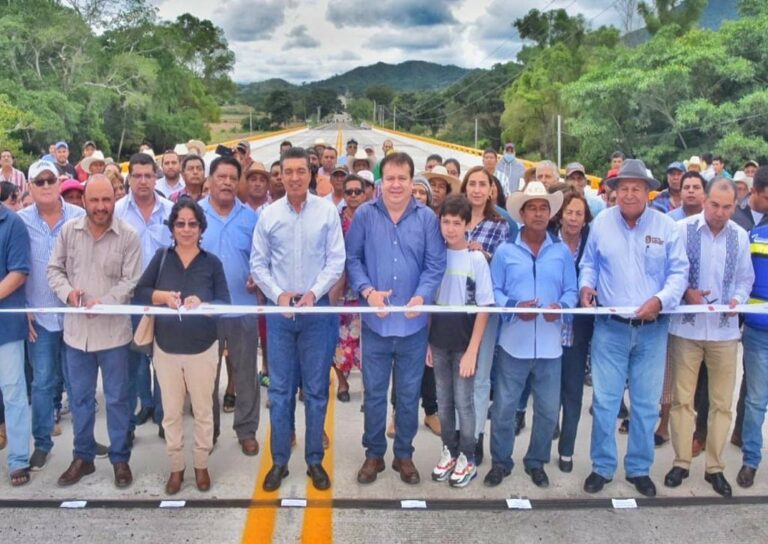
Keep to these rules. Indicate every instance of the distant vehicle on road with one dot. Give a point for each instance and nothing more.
(365, 126)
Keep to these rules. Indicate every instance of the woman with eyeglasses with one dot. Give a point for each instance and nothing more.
(185, 351)
(347, 354)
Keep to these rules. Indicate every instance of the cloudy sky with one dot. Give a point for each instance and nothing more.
(307, 40)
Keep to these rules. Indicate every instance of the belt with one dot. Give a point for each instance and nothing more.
(633, 322)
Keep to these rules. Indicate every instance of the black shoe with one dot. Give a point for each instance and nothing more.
(38, 460)
(275, 477)
(675, 476)
(556, 433)
(643, 484)
(659, 440)
(719, 483)
(160, 431)
(320, 478)
(623, 411)
(519, 422)
(496, 475)
(101, 451)
(624, 427)
(479, 453)
(565, 466)
(595, 483)
(538, 476)
(746, 476)
(144, 415)
(131, 438)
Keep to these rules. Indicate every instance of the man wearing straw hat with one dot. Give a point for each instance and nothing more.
(535, 270)
(634, 258)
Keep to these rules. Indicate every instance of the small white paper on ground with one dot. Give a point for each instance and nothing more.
(624, 503)
(302, 503)
(519, 504)
(73, 504)
(173, 504)
(410, 503)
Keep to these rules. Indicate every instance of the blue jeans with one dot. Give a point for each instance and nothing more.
(13, 384)
(621, 353)
(755, 343)
(140, 383)
(45, 354)
(297, 350)
(455, 395)
(572, 382)
(383, 355)
(485, 356)
(82, 371)
(511, 377)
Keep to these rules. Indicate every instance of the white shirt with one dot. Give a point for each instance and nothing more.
(340, 205)
(153, 233)
(712, 269)
(167, 190)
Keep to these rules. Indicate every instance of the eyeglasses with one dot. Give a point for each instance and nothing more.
(39, 182)
(181, 224)
(353, 192)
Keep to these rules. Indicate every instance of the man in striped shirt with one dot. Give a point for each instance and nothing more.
(9, 173)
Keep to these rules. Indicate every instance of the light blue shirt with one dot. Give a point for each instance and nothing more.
(300, 251)
(518, 276)
(229, 238)
(627, 266)
(154, 233)
(678, 214)
(407, 258)
(42, 241)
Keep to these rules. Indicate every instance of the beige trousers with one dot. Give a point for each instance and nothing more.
(720, 359)
(178, 375)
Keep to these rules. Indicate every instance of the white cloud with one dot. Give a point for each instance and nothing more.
(298, 38)
(402, 13)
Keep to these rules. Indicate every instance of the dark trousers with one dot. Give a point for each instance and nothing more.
(428, 391)
(574, 364)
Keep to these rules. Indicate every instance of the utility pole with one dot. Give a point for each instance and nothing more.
(475, 132)
(559, 141)
(373, 119)
(250, 122)
(319, 108)
(394, 119)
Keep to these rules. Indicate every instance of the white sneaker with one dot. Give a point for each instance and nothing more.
(445, 467)
(463, 473)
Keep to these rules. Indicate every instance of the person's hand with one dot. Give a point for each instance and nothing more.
(430, 362)
(378, 299)
(534, 303)
(307, 300)
(90, 305)
(549, 318)
(732, 304)
(284, 299)
(695, 296)
(31, 324)
(250, 286)
(475, 246)
(467, 364)
(75, 297)
(415, 301)
(649, 310)
(192, 302)
(173, 299)
(588, 297)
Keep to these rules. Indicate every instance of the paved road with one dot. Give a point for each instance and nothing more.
(366, 514)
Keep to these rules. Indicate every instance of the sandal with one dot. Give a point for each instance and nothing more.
(20, 477)
(229, 403)
(624, 427)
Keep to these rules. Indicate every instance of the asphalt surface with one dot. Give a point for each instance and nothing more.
(374, 513)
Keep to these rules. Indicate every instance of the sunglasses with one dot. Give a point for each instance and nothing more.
(182, 224)
(353, 192)
(39, 182)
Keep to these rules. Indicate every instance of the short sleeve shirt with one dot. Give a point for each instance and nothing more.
(14, 257)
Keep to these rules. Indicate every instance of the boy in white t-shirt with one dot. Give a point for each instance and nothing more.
(454, 340)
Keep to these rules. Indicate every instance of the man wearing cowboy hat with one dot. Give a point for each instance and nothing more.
(634, 258)
(88, 148)
(93, 164)
(255, 192)
(534, 271)
(442, 184)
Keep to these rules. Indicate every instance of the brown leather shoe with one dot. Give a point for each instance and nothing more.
(173, 485)
(250, 446)
(123, 476)
(746, 476)
(407, 470)
(433, 423)
(370, 470)
(698, 445)
(77, 469)
(202, 479)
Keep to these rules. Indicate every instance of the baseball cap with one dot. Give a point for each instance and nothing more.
(61, 143)
(508, 145)
(71, 184)
(340, 168)
(574, 167)
(677, 165)
(751, 162)
(38, 167)
(243, 146)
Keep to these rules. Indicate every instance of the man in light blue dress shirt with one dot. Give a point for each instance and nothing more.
(296, 257)
(45, 343)
(228, 236)
(146, 211)
(395, 255)
(634, 258)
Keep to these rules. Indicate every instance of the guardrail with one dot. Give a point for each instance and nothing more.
(593, 180)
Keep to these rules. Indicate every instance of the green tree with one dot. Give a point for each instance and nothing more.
(683, 13)
(361, 109)
(753, 8)
(326, 99)
(381, 94)
(279, 106)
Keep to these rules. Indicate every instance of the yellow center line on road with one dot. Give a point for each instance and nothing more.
(318, 522)
(260, 523)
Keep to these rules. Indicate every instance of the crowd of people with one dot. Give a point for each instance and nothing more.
(316, 229)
